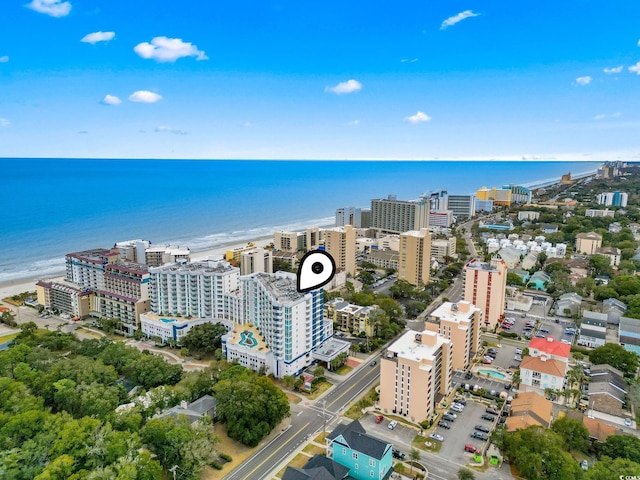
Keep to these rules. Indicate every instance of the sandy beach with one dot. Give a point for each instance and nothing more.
(14, 287)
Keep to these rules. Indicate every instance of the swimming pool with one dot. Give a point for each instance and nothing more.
(492, 373)
(167, 320)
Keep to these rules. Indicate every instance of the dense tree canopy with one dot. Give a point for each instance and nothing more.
(616, 356)
(573, 432)
(204, 338)
(607, 468)
(622, 446)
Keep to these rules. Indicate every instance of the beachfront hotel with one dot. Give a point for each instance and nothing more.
(157, 255)
(340, 243)
(484, 285)
(459, 322)
(87, 268)
(358, 217)
(414, 265)
(350, 318)
(64, 296)
(391, 215)
(415, 373)
(291, 324)
(256, 260)
(198, 289)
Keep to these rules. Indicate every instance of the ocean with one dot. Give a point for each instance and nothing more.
(50, 207)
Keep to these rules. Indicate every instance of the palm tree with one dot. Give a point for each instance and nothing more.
(414, 455)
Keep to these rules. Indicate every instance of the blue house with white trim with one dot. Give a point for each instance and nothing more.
(365, 456)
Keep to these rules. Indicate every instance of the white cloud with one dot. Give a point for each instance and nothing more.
(406, 60)
(163, 49)
(349, 86)
(163, 128)
(4, 59)
(419, 117)
(457, 18)
(246, 124)
(4, 122)
(96, 37)
(111, 100)
(55, 8)
(583, 80)
(635, 68)
(600, 116)
(639, 43)
(144, 96)
(613, 69)
(354, 123)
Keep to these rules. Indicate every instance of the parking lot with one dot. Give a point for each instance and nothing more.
(556, 326)
(460, 432)
(401, 436)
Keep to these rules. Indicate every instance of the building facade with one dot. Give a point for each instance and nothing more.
(588, 243)
(391, 215)
(613, 199)
(415, 371)
(340, 243)
(414, 265)
(443, 247)
(459, 322)
(256, 260)
(484, 285)
(462, 206)
(357, 217)
(87, 268)
(350, 318)
(65, 297)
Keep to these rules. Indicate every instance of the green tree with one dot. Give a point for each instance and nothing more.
(625, 285)
(607, 468)
(465, 474)
(604, 292)
(601, 265)
(616, 356)
(339, 361)
(204, 338)
(151, 371)
(390, 307)
(414, 456)
(622, 446)
(513, 279)
(573, 432)
(60, 468)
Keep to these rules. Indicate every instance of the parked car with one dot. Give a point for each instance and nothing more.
(487, 360)
(584, 464)
(543, 330)
(392, 424)
(470, 448)
(627, 422)
(437, 436)
(564, 340)
(448, 418)
(457, 408)
(480, 436)
(486, 416)
(379, 419)
(482, 428)
(461, 401)
(398, 454)
(507, 386)
(468, 375)
(491, 410)
(492, 350)
(444, 424)
(518, 351)
(518, 358)
(373, 364)
(452, 414)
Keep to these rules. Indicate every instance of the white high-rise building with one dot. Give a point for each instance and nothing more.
(199, 289)
(391, 215)
(291, 324)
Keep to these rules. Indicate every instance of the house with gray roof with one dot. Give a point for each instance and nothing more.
(593, 329)
(539, 281)
(318, 467)
(614, 309)
(568, 304)
(364, 455)
(629, 334)
(203, 407)
(607, 390)
(510, 255)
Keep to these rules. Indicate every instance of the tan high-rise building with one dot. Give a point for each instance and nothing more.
(485, 286)
(286, 241)
(391, 215)
(256, 260)
(459, 322)
(588, 242)
(415, 371)
(340, 243)
(313, 236)
(415, 257)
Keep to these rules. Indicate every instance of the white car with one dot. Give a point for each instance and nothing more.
(627, 422)
(456, 407)
(437, 437)
(392, 424)
(566, 341)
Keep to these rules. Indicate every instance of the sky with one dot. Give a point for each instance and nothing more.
(320, 79)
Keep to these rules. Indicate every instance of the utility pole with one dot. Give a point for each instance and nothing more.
(173, 470)
(324, 417)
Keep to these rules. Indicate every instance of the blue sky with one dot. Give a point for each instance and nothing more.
(320, 79)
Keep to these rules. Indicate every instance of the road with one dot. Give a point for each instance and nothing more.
(307, 421)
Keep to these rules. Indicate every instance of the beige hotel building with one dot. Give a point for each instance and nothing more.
(415, 257)
(484, 285)
(415, 372)
(340, 243)
(459, 322)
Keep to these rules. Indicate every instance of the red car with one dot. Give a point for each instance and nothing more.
(470, 448)
(379, 419)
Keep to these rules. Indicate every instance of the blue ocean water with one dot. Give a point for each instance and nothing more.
(50, 207)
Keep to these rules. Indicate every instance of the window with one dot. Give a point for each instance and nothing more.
(344, 451)
(372, 463)
(355, 456)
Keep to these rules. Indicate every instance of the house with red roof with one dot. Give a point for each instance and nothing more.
(552, 348)
(545, 366)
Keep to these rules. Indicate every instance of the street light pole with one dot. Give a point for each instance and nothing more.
(324, 417)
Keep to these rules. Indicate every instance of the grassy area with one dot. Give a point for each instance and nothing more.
(293, 398)
(312, 449)
(355, 412)
(343, 370)
(322, 387)
(420, 443)
(236, 450)
(320, 438)
(6, 338)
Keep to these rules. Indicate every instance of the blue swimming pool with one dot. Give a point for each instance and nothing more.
(492, 373)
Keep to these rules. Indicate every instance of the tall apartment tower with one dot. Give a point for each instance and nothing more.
(287, 241)
(255, 261)
(485, 286)
(415, 257)
(357, 217)
(125, 294)
(340, 243)
(313, 237)
(459, 322)
(198, 289)
(87, 268)
(415, 369)
(391, 215)
(291, 323)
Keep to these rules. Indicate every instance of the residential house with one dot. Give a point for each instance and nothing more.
(629, 334)
(549, 228)
(530, 260)
(510, 255)
(205, 406)
(614, 309)
(588, 242)
(593, 329)
(607, 390)
(318, 467)
(364, 455)
(528, 409)
(350, 318)
(568, 304)
(523, 274)
(598, 430)
(542, 372)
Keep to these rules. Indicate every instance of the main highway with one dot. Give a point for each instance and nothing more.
(307, 420)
